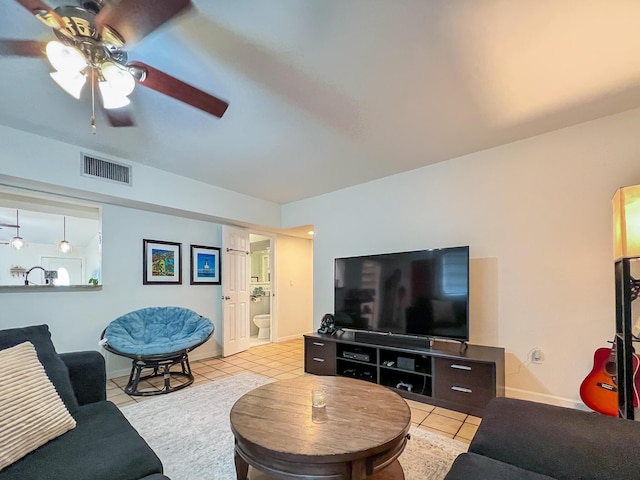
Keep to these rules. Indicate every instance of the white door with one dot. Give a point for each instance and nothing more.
(235, 290)
(72, 266)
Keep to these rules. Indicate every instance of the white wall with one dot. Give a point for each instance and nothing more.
(537, 217)
(77, 318)
(294, 287)
(32, 161)
(94, 262)
(32, 255)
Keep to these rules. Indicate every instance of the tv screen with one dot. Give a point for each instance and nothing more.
(420, 293)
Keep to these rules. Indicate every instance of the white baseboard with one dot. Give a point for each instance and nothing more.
(195, 355)
(118, 373)
(544, 398)
(289, 337)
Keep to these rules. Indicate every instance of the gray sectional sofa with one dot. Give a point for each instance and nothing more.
(525, 440)
(103, 445)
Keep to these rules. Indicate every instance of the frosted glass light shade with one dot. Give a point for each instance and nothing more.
(64, 246)
(119, 79)
(626, 222)
(71, 83)
(64, 58)
(16, 243)
(110, 97)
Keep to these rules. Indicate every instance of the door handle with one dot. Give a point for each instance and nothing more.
(226, 298)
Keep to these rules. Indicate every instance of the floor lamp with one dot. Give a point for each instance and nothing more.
(626, 217)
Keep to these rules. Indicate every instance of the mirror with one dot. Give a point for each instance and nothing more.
(260, 248)
(43, 223)
(260, 269)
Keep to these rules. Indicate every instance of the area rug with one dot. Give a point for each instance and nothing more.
(189, 430)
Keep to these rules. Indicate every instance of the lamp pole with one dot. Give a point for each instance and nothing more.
(624, 346)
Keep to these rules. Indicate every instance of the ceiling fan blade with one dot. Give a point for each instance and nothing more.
(172, 87)
(133, 20)
(21, 48)
(43, 12)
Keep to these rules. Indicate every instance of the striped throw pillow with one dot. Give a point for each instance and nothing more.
(31, 411)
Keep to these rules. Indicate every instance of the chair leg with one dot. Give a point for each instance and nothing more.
(134, 378)
(186, 368)
(167, 378)
(160, 368)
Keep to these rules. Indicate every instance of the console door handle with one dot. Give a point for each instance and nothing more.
(318, 344)
(316, 359)
(460, 367)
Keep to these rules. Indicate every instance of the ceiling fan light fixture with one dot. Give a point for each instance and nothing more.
(118, 78)
(111, 98)
(65, 58)
(70, 83)
(49, 19)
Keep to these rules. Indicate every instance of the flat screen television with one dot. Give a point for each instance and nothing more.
(422, 293)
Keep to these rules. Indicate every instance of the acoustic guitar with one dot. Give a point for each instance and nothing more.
(598, 390)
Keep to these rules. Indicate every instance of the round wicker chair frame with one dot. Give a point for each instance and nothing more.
(160, 365)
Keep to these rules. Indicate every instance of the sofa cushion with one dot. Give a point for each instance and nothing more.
(88, 375)
(471, 465)
(103, 446)
(57, 372)
(561, 442)
(31, 412)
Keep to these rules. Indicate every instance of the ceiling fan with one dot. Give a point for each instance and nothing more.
(89, 48)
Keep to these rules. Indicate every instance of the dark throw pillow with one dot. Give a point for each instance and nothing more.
(56, 370)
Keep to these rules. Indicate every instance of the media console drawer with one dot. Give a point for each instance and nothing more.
(319, 356)
(464, 382)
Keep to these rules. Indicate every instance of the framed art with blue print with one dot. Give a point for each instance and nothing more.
(205, 265)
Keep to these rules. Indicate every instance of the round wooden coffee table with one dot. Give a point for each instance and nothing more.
(362, 430)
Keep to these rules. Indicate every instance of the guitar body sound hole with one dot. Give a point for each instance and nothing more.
(611, 368)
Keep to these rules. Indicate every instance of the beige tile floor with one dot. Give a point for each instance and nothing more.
(285, 360)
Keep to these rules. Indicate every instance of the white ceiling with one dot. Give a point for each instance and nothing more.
(330, 93)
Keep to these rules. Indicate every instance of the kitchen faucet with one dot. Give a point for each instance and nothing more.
(49, 275)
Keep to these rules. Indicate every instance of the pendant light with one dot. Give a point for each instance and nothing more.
(63, 245)
(17, 242)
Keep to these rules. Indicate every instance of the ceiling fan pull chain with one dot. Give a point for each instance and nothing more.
(93, 103)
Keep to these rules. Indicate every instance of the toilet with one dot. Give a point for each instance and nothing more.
(263, 322)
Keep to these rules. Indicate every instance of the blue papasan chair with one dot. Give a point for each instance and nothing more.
(157, 339)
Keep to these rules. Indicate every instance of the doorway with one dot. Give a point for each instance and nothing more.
(261, 307)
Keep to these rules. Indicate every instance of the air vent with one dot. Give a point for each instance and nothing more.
(106, 169)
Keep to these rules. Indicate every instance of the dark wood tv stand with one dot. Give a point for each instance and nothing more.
(452, 375)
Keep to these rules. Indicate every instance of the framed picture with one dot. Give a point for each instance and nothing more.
(205, 265)
(162, 263)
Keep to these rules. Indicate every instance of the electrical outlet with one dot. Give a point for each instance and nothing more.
(537, 355)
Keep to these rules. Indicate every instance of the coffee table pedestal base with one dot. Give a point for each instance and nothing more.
(385, 466)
